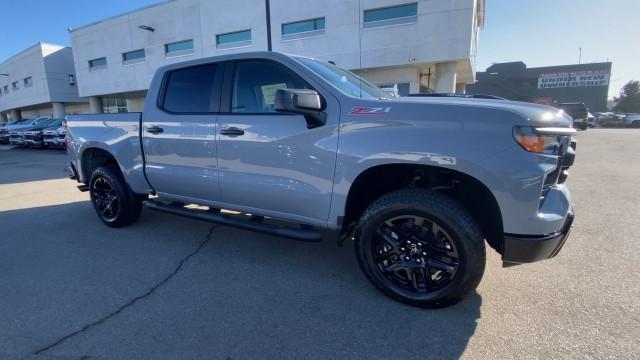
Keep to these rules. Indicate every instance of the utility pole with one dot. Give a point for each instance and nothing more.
(580, 55)
(268, 11)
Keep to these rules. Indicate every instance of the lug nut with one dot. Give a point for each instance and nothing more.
(418, 261)
(407, 258)
(424, 253)
(402, 249)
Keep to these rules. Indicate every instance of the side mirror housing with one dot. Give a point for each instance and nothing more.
(305, 102)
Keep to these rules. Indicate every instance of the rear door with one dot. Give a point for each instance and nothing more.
(179, 137)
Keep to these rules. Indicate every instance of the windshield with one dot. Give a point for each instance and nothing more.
(345, 81)
(43, 122)
(55, 122)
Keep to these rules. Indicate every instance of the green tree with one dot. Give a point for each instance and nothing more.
(629, 99)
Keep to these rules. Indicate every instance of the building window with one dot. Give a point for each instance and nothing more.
(28, 81)
(189, 90)
(233, 39)
(179, 48)
(306, 27)
(398, 89)
(14, 85)
(6, 89)
(112, 105)
(135, 56)
(391, 15)
(98, 63)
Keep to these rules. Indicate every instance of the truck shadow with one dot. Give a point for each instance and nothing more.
(244, 295)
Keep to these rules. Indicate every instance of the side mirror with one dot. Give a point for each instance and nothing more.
(305, 102)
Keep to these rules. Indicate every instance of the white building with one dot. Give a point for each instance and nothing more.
(39, 81)
(416, 45)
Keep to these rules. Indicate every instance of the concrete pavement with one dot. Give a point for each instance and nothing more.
(169, 287)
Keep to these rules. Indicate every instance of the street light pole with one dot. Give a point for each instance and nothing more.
(580, 55)
(268, 11)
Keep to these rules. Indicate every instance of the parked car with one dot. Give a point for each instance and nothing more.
(609, 119)
(418, 183)
(579, 112)
(12, 130)
(591, 120)
(54, 136)
(34, 136)
(632, 120)
(16, 124)
(30, 135)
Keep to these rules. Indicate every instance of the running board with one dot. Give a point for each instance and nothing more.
(304, 234)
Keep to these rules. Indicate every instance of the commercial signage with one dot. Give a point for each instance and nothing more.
(585, 78)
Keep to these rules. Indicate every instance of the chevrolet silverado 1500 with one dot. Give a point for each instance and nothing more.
(292, 145)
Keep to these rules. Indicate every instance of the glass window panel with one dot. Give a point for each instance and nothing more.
(393, 12)
(303, 26)
(178, 46)
(98, 62)
(189, 90)
(233, 37)
(133, 55)
(256, 84)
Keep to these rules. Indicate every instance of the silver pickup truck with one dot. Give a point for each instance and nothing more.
(288, 145)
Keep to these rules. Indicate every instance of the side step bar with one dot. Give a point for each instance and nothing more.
(304, 234)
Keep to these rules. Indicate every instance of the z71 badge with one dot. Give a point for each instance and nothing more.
(361, 110)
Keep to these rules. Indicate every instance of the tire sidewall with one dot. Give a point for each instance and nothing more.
(124, 198)
(467, 247)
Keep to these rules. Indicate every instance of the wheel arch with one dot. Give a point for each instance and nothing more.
(94, 157)
(472, 193)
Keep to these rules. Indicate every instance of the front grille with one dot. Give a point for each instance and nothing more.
(32, 137)
(560, 174)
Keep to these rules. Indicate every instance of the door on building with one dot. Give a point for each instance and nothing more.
(269, 160)
(179, 140)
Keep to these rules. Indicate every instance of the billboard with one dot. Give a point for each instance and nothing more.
(584, 78)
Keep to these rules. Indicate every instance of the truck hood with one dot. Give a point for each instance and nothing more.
(538, 115)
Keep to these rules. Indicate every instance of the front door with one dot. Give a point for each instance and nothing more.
(270, 161)
(179, 137)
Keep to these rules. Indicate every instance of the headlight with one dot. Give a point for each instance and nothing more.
(541, 142)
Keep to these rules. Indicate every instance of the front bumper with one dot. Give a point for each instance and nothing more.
(14, 140)
(54, 141)
(33, 142)
(519, 249)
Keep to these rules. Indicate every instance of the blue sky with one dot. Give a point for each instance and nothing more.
(538, 32)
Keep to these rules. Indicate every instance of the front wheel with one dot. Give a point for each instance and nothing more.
(115, 205)
(420, 247)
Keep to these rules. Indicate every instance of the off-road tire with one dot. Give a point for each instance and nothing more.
(451, 217)
(129, 205)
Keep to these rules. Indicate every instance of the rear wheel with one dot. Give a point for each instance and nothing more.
(420, 247)
(115, 205)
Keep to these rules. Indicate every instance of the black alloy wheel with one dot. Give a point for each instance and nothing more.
(114, 203)
(106, 198)
(415, 253)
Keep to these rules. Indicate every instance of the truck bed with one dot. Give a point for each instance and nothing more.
(118, 134)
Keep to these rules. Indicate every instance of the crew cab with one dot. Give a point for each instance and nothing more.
(289, 145)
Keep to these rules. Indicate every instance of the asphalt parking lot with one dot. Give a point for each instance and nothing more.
(169, 287)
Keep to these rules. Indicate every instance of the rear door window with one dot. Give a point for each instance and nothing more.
(189, 90)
